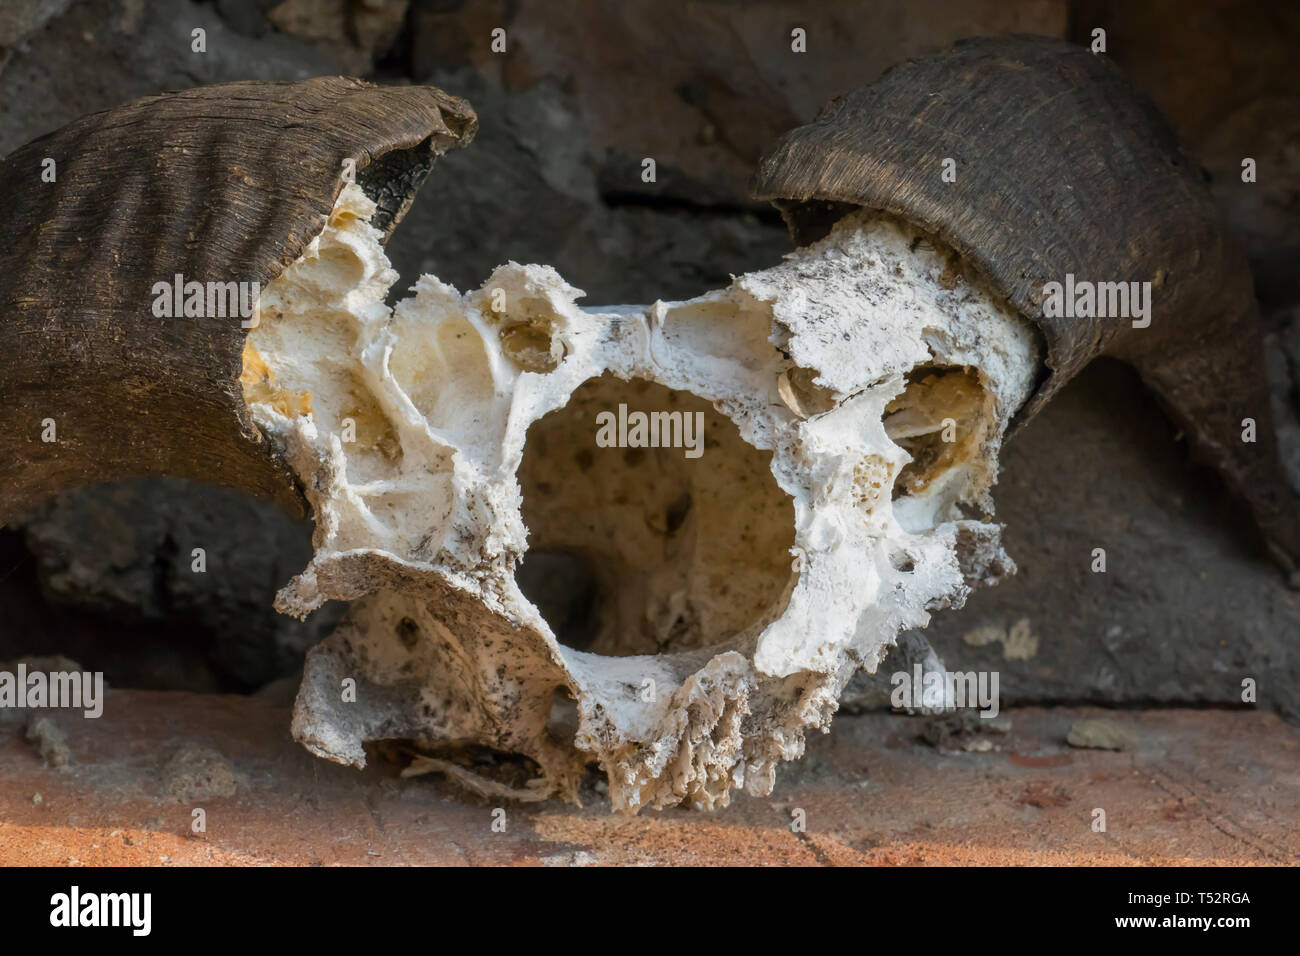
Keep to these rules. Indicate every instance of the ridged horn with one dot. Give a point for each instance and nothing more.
(222, 183)
(1062, 169)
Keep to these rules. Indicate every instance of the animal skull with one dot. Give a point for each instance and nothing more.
(678, 615)
(852, 402)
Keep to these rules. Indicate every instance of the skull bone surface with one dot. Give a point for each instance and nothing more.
(659, 539)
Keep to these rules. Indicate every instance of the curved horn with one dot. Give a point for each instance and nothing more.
(1062, 169)
(225, 183)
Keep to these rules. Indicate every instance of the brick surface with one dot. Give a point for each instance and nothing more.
(1202, 786)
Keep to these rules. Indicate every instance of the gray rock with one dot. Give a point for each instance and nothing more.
(126, 550)
(1102, 734)
(50, 741)
(194, 772)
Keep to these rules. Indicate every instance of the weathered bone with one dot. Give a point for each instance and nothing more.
(409, 431)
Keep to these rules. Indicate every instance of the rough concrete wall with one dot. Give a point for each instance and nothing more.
(1188, 604)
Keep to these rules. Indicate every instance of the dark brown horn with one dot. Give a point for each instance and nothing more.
(1062, 168)
(223, 183)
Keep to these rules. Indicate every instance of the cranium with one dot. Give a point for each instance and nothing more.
(828, 428)
(732, 585)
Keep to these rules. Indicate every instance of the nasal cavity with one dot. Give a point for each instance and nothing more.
(650, 534)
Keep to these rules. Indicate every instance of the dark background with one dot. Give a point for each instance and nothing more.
(1189, 604)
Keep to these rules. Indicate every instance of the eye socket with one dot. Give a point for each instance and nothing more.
(941, 419)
